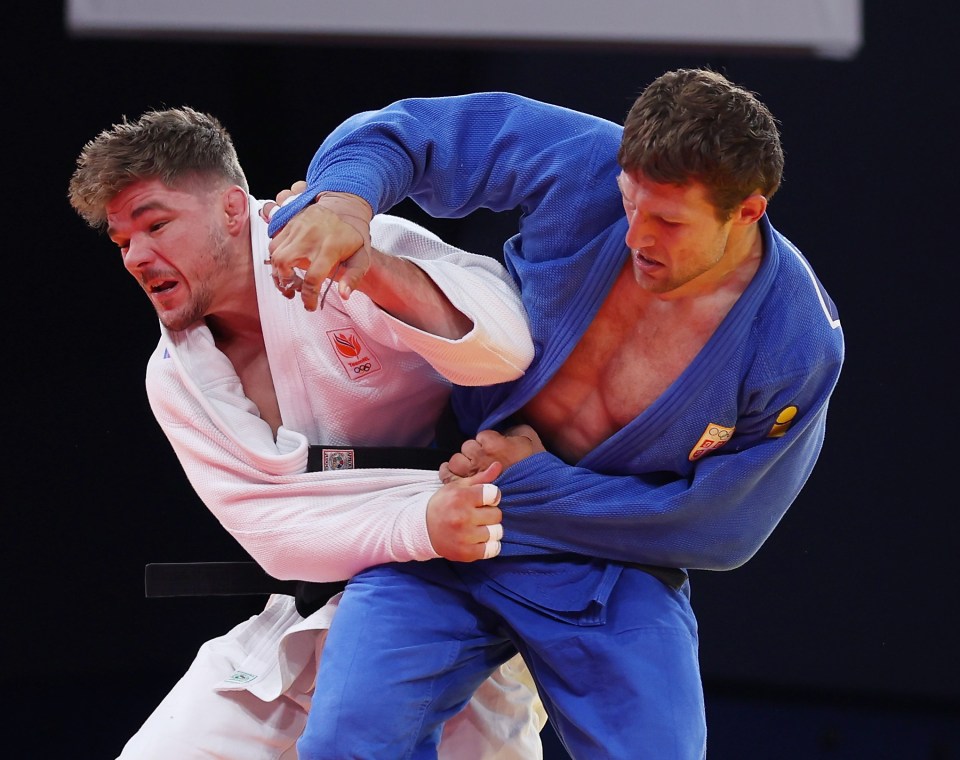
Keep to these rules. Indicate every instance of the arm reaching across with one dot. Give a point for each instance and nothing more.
(663, 505)
(491, 447)
(315, 243)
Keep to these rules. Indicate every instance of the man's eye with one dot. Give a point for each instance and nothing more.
(155, 227)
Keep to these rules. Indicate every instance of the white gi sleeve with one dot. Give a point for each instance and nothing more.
(314, 526)
(499, 347)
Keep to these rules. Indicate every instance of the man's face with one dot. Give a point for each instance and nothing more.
(674, 234)
(174, 243)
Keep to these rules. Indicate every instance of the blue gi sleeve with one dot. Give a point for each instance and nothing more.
(714, 517)
(457, 154)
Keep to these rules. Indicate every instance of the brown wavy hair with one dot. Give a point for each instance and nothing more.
(695, 125)
(174, 145)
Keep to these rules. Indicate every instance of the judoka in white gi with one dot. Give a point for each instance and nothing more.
(243, 381)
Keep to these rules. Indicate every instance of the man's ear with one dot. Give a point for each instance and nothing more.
(236, 206)
(751, 209)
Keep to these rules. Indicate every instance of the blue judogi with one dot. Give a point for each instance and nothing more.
(698, 480)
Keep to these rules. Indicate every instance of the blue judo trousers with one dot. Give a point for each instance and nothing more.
(405, 655)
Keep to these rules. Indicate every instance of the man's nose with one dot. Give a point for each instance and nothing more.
(139, 253)
(639, 234)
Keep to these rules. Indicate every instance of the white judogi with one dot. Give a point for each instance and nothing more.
(345, 375)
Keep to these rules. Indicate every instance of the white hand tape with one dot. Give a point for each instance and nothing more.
(491, 495)
(496, 532)
(491, 549)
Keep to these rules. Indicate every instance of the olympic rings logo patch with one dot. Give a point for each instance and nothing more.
(354, 354)
(714, 436)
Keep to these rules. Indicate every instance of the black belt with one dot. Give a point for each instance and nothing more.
(162, 579)
(168, 579)
(321, 458)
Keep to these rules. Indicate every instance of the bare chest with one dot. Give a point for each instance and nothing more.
(252, 368)
(626, 359)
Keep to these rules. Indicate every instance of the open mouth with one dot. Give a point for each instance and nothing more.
(162, 286)
(645, 262)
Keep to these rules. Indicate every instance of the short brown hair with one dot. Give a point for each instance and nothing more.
(171, 145)
(695, 125)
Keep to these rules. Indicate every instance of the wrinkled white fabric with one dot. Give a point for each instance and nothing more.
(246, 695)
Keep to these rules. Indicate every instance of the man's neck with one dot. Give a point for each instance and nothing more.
(235, 318)
(234, 327)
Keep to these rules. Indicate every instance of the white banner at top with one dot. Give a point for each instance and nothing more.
(827, 28)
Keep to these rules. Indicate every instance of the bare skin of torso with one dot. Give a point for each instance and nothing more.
(249, 358)
(636, 346)
(256, 377)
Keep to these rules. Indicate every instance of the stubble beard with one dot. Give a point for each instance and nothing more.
(201, 293)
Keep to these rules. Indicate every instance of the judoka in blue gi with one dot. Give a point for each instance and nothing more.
(685, 356)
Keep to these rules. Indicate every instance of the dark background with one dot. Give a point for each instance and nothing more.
(838, 640)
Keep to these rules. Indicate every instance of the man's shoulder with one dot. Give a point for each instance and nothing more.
(797, 327)
(800, 288)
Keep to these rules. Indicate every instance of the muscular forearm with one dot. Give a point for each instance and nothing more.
(404, 291)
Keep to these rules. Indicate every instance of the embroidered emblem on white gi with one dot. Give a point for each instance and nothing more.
(713, 438)
(357, 359)
(783, 422)
(338, 459)
(240, 676)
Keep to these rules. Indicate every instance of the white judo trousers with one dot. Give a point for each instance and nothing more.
(348, 375)
(214, 718)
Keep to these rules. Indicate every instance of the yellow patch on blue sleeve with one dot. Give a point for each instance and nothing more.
(783, 422)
